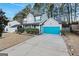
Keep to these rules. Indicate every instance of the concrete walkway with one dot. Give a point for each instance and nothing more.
(42, 45)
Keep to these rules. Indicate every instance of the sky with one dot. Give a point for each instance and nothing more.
(11, 9)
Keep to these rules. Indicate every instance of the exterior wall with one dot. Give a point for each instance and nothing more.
(37, 18)
(30, 18)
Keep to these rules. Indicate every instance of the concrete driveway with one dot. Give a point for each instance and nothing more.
(42, 45)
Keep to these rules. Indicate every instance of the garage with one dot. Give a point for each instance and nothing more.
(51, 26)
(51, 30)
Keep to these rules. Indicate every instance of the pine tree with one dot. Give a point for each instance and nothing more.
(3, 21)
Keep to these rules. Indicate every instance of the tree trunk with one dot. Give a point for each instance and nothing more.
(75, 13)
(0, 34)
(68, 16)
(51, 13)
(71, 12)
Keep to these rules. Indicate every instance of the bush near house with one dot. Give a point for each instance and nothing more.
(32, 30)
(20, 29)
(74, 23)
(64, 24)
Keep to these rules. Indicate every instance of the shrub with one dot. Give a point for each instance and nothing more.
(20, 29)
(32, 30)
(64, 24)
(74, 23)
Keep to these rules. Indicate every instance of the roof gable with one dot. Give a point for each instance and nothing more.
(51, 22)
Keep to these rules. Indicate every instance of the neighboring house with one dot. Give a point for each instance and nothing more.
(45, 25)
(12, 26)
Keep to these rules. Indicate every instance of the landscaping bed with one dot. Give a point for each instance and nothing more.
(11, 39)
(34, 31)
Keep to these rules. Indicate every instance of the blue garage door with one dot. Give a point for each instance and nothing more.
(51, 30)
